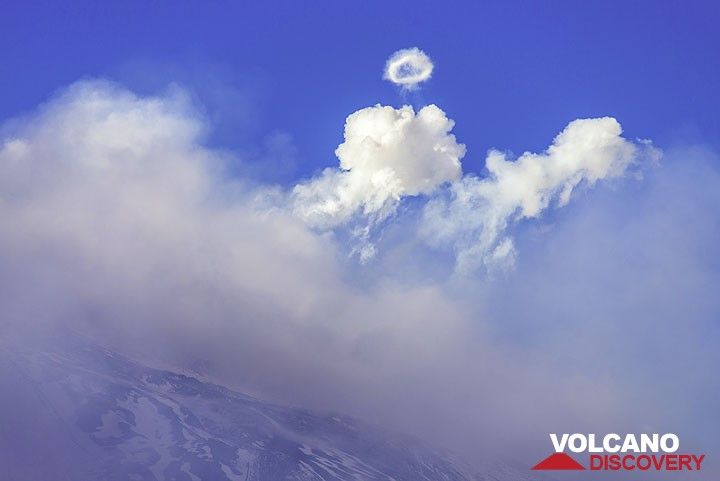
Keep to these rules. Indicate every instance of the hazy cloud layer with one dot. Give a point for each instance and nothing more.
(120, 224)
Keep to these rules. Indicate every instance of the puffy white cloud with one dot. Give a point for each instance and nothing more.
(474, 216)
(388, 153)
(392, 153)
(408, 68)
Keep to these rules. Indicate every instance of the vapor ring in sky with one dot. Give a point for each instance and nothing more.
(408, 67)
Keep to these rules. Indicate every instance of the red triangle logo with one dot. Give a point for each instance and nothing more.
(558, 461)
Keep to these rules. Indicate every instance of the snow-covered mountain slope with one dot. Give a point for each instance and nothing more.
(88, 413)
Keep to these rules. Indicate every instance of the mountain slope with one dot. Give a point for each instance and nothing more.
(88, 413)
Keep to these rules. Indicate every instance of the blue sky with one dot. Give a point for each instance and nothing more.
(511, 74)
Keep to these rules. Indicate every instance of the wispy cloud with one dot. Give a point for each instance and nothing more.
(474, 215)
(389, 154)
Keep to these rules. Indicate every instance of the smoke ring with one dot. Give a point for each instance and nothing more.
(408, 68)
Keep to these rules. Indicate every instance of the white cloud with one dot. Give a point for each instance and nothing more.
(387, 154)
(117, 190)
(475, 215)
(392, 153)
(408, 68)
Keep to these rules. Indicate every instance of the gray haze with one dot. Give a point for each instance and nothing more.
(119, 225)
